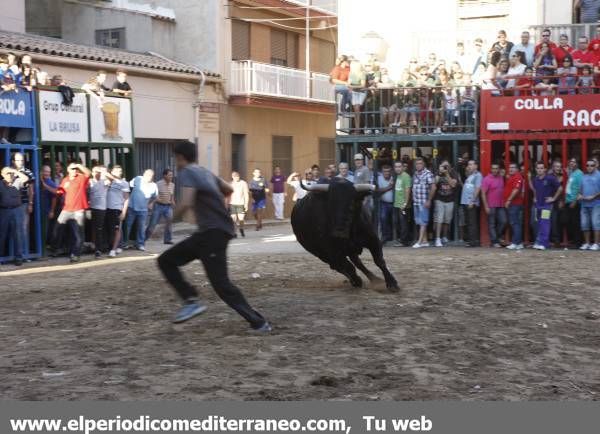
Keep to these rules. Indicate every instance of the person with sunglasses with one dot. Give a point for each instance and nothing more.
(546, 34)
(589, 197)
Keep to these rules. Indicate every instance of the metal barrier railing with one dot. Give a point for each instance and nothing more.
(411, 110)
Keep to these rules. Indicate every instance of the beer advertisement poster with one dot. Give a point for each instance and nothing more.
(111, 122)
(61, 122)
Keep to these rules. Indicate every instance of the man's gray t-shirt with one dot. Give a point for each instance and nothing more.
(114, 197)
(98, 193)
(209, 207)
(362, 175)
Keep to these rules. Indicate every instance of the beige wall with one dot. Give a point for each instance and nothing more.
(260, 125)
(12, 15)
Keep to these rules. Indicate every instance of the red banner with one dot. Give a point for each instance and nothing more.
(540, 113)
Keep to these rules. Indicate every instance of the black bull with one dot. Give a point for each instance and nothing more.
(333, 226)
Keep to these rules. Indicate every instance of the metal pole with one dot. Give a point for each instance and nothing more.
(307, 47)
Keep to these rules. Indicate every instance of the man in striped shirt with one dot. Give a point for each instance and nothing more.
(163, 206)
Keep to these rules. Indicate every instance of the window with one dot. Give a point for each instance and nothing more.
(238, 154)
(240, 40)
(282, 153)
(113, 38)
(326, 152)
(279, 54)
(292, 50)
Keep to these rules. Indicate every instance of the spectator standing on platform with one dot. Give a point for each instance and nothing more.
(582, 56)
(239, 201)
(27, 199)
(492, 191)
(572, 205)
(74, 188)
(11, 215)
(279, 194)
(163, 207)
(545, 62)
(589, 10)
(445, 186)
(121, 86)
(525, 47)
(477, 56)
(513, 202)
(423, 189)
(563, 50)
(502, 45)
(590, 206)
(470, 203)
(117, 202)
(99, 185)
(567, 79)
(546, 34)
(402, 190)
(48, 202)
(142, 197)
(546, 190)
(259, 189)
(385, 184)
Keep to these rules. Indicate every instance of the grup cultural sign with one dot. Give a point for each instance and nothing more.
(60, 122)
(111, 122)
(542, 113)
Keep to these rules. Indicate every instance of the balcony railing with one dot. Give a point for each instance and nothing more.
(254, 78)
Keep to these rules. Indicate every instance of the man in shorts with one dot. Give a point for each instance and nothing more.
(204, 193)
(239, 201)
(590, 206)
(259, 189)
(423, 189)
(444, 196)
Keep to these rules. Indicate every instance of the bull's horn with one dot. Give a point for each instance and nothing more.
(314, 187)
(364, 187)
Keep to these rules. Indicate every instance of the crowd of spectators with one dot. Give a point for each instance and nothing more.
(88, 208)
(438, 95)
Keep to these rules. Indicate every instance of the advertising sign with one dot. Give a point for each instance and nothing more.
(60, 122)
(15, 109)
(111, 122)
(541, 113)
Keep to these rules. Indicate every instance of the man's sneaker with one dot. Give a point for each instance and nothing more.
(520, 246)
(512, 246)
(242, 233)
(98, 254)
(169, 242)
(595, 247)
(18, 262)
(141, 248)
(444, 240)
(119, 251)
(397, 244)
(497, 245)
(585, 247)
(539, 247)
(188, 311)
(438, 242)
(112, 254)
(74, 259)
(265, 328)
(425, 244)
(416, 245)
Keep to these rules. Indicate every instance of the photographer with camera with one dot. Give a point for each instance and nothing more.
(446, 182)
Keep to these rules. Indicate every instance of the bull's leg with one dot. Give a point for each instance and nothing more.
(374, 247)
(347, 269)
(359, 264)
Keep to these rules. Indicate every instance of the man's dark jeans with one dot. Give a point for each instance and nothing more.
(401, 223)
(210, 247)
(98, 219)
(10, 228)
(472, 223)
(496, 224)
(573, 223)
(385, 220)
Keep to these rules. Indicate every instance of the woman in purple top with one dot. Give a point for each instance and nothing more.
(278, 182)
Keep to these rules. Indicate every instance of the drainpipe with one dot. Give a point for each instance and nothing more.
(196, 107)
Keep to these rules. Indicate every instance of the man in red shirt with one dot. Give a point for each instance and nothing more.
(583, 57)
(513, 202)
(594, 46)
(74, 188)
(545, 38)
(339, 77)
(563, 50)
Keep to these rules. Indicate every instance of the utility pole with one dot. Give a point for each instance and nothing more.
(307, 49)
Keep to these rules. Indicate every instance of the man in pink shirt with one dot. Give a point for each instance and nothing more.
(492, 190)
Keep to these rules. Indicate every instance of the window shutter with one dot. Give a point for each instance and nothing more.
(279, 48)
(240, 40)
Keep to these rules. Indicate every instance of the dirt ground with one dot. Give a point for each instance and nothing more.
(468, 324)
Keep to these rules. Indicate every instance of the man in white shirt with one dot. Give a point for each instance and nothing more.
(344, 170)
(239, 201)
(526, 47)
(99, 184)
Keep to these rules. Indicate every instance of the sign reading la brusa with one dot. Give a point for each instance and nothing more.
(60, 122)
(15, 110)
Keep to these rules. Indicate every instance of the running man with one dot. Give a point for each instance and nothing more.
(205, 194)
(259, 189)
(239, 201)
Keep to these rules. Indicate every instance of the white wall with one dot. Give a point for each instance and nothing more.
(12, 15)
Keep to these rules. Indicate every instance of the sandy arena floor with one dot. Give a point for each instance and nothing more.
(469, 324)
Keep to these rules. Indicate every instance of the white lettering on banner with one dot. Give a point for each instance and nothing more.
(581, 118)
(536, 104)
(12, 107)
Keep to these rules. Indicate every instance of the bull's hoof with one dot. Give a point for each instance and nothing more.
(393, 286)
(356, 283)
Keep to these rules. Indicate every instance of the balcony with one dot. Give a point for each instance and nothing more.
(249, 78)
